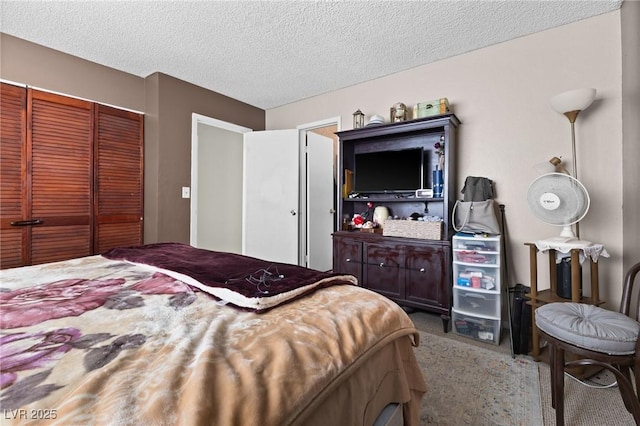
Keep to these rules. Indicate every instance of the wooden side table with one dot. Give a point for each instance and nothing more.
(539, 298)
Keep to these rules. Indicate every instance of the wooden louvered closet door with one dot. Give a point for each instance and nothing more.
(59, 162)
(71, 177)
(119, 185)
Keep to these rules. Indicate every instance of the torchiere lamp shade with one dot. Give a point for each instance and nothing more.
(573, 101)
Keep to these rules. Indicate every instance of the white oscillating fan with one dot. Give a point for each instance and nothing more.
(561, 200)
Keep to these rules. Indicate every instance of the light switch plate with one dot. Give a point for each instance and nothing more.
(186, 192)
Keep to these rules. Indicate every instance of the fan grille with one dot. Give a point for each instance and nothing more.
(558, 199)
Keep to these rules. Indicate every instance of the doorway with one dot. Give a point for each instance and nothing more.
(216, 184)
(216, 206)
(318, 174)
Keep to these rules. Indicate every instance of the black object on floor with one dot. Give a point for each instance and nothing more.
(521, 321)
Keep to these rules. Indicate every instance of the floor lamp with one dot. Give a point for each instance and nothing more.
(570, 104)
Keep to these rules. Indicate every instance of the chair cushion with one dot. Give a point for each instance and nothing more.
(589, 327)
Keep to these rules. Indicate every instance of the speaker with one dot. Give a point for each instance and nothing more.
(563, 278)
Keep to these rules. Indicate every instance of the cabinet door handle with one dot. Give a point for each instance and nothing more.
(421, 269)
(382, 264)
(348, 259)
(26, 222)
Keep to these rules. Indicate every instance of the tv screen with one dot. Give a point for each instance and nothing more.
(388, 171)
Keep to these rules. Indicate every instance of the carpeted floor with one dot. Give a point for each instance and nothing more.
(476, 383)
(592, 404)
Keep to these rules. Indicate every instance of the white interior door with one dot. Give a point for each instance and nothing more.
(270, 194)
(320, 201)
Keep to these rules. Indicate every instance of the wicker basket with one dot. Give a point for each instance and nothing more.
(413, 229)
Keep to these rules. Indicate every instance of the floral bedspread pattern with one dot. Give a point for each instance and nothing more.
(98, 341)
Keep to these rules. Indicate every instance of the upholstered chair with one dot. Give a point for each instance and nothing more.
(598, 337)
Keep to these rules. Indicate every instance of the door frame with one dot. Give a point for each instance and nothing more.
(303, 214)
(302, 134)
(209, 121)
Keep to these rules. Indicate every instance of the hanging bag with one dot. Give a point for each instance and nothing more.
(477, 213)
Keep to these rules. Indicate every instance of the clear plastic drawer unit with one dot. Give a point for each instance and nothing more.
(477, 286)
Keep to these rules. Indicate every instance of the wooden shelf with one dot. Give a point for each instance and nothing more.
(392, 199)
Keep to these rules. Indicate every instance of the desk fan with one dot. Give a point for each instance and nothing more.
(561, 200)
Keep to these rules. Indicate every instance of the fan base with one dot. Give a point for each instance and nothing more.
(564, 244)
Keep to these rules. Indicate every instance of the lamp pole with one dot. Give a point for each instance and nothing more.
(572, 116)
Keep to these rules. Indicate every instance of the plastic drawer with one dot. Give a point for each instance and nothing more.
(479, 257)
(477, 302)
(491, 244)
(478, 328)
(476, 276)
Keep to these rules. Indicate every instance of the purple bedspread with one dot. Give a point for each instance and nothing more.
(259, 284)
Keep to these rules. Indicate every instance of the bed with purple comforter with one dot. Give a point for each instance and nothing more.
(170, 334)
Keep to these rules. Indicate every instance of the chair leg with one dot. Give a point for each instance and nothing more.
(627, 392)
(558, 384)
(552, 354)
(636, 405)
(628, 403)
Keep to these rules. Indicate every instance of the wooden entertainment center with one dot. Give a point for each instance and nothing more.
(413, 272)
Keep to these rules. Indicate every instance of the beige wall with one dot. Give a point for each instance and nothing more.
(167, 103)
(38, 66)
(631, 132)
(501, 95)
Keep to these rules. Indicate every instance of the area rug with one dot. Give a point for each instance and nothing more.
(471, 385)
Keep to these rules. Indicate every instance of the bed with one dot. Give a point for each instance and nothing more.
(170, 334)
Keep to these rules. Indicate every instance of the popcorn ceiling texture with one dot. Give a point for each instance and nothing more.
(271, 53)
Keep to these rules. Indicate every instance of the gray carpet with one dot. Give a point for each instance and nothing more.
(589, 404)
(472, 382)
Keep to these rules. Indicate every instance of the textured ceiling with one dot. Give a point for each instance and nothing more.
(270, 53)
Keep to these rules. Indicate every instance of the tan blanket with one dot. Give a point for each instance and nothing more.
(97, 341)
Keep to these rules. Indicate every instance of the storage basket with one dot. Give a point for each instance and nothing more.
(412, 229)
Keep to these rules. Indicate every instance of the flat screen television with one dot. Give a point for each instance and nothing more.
(388, 171)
